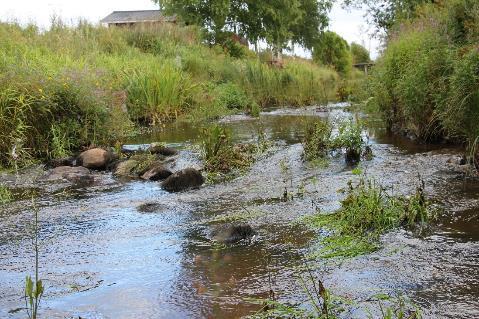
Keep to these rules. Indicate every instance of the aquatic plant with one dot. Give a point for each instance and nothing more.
(317, 140)
(349, 138)
(34, 288)
(221, 156)
(5, 195)
(366, 213)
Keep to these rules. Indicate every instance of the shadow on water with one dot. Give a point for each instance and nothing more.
(121, 249)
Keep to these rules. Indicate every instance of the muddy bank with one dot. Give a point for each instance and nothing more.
(102, 256)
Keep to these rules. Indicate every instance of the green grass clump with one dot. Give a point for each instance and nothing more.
(222, 157)
(366, 213)
(5, 195)
(317, 140)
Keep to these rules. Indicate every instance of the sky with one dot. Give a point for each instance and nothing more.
(350, 24)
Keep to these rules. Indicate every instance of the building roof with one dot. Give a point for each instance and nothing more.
(137, 16)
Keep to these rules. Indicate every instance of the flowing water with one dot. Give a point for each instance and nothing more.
(102, 256)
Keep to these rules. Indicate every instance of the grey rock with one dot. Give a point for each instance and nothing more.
(184, 179)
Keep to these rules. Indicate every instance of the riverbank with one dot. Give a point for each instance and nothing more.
(425, 84)
(71, 87)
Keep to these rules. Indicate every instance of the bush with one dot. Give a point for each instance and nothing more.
(231, 96)
(332, 50)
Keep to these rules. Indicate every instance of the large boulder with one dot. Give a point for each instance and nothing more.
(233, 233)
(159, 148)
(182, 180)
(95, 158)
(157, 173)
(71, 174)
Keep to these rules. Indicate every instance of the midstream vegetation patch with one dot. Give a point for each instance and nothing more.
(366, 213)
(319, 141)
(222, 158)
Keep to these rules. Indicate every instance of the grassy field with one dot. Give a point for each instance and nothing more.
(72, 87)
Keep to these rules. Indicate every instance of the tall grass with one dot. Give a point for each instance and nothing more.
(426, 82)
(59, 89)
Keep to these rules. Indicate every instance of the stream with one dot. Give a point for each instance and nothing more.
(102, 256)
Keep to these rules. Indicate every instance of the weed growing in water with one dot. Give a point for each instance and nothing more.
(221, 156)
(34, 288)
(317, 140)
(5, 195)
(350, 139)
(366, 213)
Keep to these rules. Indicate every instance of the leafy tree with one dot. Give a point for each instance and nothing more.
(334, 51)
(385, 13)
(278, 22)
(359, 54)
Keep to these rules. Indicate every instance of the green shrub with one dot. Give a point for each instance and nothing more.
(231, 96)
(425, 83)
(5, 195)
(332, 50)
(349, 137)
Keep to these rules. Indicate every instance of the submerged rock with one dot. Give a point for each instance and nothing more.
(96, 158)
(352, 156)
(233, 233)
(185, 179)
(71, 174)
(150, 208)
(157, 173)
(158, 148)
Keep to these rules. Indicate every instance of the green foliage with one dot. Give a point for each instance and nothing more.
(276, 22)
(5, 195)
(425, 84)
(221, 157)
(317, 140)
(359, 54)
(231, 96)
(349, 137)
(384, 14)
(366, 213)
(33, 294)
(332, 50)
(34, 288)
(71, 87)
(160, 94)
